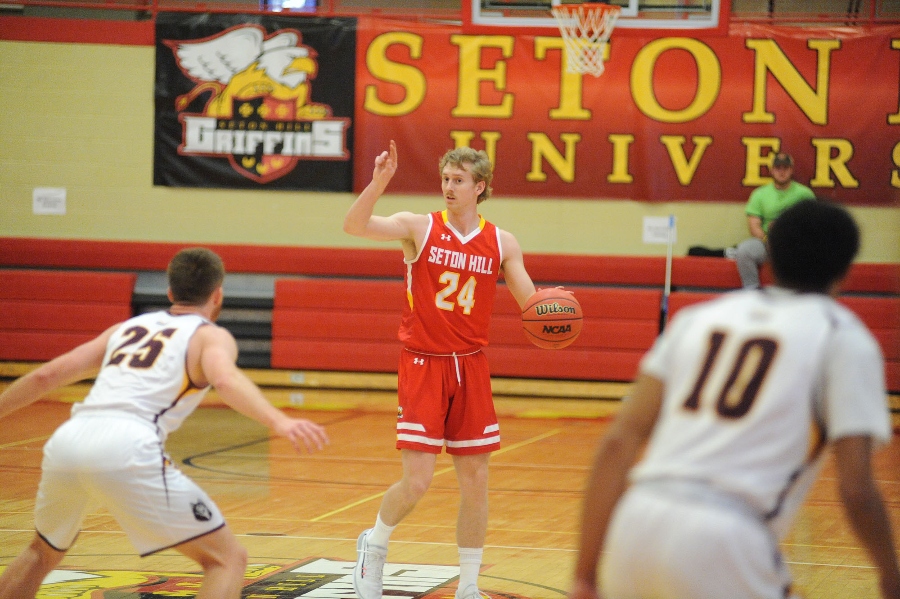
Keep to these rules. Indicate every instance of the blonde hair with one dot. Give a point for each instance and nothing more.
(480, 167)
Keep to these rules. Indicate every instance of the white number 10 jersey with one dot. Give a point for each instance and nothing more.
(756, 383)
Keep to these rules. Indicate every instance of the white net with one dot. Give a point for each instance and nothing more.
(585, 30)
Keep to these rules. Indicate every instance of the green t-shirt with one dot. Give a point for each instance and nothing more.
(767, 202)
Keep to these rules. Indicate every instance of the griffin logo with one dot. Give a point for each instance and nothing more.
(258, 112)
(315, 578)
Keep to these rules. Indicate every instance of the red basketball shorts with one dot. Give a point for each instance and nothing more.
(446, 400)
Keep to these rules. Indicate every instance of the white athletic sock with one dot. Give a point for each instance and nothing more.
(469, 565)
(380, 533)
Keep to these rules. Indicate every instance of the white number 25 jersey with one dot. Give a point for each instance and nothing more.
(756, 383)
(144, 372)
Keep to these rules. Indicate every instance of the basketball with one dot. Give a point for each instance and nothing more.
(552, 318)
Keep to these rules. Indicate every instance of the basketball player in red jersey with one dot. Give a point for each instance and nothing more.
(454, 258)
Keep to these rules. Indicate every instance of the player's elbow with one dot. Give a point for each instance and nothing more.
(225, 382)
(41, 377)
(352, 227)
(44, 379)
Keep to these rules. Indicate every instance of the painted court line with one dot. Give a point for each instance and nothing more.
(24, 442)
(445, 470)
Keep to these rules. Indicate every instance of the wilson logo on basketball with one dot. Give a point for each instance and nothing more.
(258, 112)
(554, 308)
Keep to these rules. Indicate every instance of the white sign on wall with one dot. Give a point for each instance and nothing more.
(656, 229)
(49, 200)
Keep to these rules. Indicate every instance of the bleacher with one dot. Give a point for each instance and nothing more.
(47, 312)
(335, 309)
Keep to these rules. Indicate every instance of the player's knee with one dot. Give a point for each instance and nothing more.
(238, 559)
(233, 556)
(417, 485)
(46, 555)
(474, 488)
(472, 472)
(230, 556)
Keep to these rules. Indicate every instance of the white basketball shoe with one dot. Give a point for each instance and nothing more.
(470, 592)
(367, 575)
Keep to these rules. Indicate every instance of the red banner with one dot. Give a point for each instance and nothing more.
(671, 118)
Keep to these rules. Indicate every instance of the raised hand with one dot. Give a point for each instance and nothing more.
(385, 165)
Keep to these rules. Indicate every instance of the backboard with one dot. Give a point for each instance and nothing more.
(692, 17)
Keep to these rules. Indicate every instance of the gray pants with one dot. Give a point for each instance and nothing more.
(750, 255)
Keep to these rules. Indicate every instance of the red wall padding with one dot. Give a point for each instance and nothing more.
(351, 324)
(45, 313)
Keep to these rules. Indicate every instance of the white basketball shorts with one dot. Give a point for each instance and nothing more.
(670, 547)
(118, 462)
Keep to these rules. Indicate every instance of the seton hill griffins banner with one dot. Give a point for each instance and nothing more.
(307, 103)
(254, 102)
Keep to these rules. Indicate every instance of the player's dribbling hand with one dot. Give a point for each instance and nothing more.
(304, 435)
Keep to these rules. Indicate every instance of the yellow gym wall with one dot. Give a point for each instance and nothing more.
(80, 117)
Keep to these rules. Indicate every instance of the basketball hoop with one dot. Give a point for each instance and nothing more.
(585, 30)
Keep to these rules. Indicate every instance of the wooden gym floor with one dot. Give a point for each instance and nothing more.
(299, 516)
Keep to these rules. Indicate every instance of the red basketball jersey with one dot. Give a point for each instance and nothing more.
(450, 286)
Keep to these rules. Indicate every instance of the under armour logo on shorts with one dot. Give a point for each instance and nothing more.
(201, 512)
(419, 361)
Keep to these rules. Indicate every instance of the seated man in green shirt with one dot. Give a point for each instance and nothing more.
(763, 207)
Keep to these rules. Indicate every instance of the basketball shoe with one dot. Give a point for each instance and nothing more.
(470, 592)
(367, 575)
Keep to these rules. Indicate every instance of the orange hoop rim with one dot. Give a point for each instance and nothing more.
(587, 6)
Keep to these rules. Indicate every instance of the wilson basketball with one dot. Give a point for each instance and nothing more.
(552, 318)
